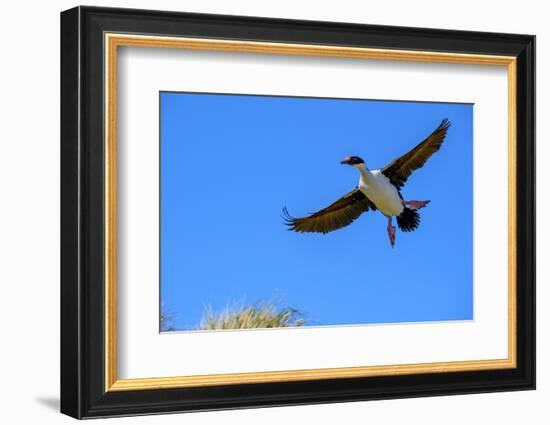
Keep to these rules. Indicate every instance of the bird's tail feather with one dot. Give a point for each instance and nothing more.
(408, 220)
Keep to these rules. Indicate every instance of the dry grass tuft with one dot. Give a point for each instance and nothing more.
(261, 315)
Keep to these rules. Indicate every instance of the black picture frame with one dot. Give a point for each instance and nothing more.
(83, 392)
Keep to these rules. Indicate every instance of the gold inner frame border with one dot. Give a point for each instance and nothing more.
(113, 40)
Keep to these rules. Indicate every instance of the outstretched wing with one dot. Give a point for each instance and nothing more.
(399, 170)
(337, 215)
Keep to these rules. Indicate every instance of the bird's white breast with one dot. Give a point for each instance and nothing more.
(378, 188)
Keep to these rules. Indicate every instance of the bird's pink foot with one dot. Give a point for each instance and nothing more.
(416, 205)
(391, 234)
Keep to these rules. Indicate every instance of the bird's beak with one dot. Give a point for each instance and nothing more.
(346, 160)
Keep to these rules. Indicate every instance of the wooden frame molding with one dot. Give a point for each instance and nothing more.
(114, 40)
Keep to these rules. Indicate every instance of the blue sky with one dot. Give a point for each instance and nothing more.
(229, 163)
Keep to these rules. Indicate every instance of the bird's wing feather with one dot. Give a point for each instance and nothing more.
(337, 215)
(399, 170)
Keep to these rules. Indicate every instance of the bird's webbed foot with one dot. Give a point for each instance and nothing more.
(391, 232)
(416, 205)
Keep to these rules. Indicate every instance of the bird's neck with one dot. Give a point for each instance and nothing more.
(365, 173)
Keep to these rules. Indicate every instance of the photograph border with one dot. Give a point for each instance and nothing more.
(170, 313)
(90, 38)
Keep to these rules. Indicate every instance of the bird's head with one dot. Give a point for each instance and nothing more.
(354, 161)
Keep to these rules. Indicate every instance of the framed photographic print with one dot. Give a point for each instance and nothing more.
(261, 212)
